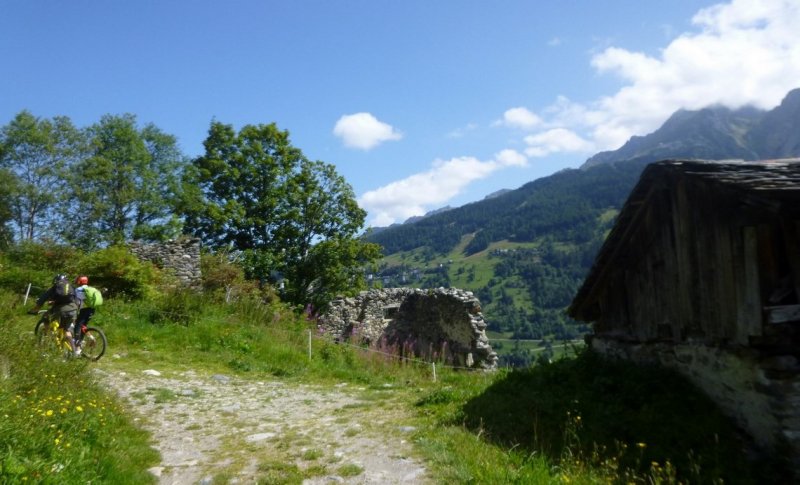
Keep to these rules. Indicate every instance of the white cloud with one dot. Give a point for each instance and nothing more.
(363, 131)
(555, 140)
(554, 42)
(745, 53)
(741, 53)
(510, 158)
(520, 118)
(415, 195)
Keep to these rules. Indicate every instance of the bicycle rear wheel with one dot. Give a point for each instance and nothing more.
(93, 344)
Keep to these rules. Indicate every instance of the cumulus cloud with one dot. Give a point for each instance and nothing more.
(555, 140)
(364, 131)
(520, 118)
(739, 53)
(415, 195)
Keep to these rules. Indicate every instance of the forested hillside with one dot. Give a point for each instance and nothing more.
(525, 252)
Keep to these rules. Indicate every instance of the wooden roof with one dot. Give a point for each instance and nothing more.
(768, 185)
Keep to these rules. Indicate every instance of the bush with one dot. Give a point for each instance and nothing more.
(219, 272)
(16, 280)
(224, 280)
(119, 273)
(35, 264)
(48, 257)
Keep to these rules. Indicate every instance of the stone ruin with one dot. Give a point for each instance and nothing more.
(445, 323)
(181, 256)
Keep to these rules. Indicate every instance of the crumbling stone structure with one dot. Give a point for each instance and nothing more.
(441, 323)
(181, 256)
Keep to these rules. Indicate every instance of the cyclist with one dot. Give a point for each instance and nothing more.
(89, 298)
(64, 304)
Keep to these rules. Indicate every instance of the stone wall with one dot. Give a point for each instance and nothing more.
(428, 323)
(181, 256)
(761, 393)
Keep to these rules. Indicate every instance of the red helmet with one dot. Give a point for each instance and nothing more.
(82, 280)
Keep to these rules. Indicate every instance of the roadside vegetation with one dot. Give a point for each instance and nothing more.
(578, 419)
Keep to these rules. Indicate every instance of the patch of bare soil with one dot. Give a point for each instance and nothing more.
(222, 429)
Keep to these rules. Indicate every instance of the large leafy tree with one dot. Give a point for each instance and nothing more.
(126, 187)
(37, 152)
(257, 193)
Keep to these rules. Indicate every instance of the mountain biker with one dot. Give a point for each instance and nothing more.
(89, 298)
(63, 304)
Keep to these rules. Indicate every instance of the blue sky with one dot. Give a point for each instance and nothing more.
(418, 103)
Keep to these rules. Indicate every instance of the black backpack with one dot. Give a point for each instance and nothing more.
(63, 292)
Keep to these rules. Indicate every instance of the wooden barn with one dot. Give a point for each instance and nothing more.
(701, 272)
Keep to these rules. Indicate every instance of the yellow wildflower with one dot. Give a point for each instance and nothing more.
(49, 412)
(79, 409)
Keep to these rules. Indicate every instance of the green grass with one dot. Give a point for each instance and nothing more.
(349, 470)
(57, 425)
(581, 420)
(584, 419)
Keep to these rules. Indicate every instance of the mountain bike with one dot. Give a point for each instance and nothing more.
(90, 342)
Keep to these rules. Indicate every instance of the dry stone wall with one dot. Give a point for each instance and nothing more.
(445, 323)
(181, 256)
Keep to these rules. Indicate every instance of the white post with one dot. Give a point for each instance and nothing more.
(434, 371)
(309, 345)
(26, 295)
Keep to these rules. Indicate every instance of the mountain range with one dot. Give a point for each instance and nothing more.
(712, 133)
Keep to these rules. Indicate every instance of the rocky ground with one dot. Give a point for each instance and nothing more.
(223, 429)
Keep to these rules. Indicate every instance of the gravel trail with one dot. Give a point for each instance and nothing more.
(223, 429)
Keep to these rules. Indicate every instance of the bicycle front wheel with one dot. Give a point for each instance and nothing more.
(41, 327)
(93, 344)
(46, 335)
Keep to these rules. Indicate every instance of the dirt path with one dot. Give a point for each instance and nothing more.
(221, 429)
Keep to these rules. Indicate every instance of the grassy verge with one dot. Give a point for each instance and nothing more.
(57, 425)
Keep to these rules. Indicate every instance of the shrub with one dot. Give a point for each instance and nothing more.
(16, 280)
(225, 280)
(120, 273)
(219, 272)
(35, 264)
(46, 256)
